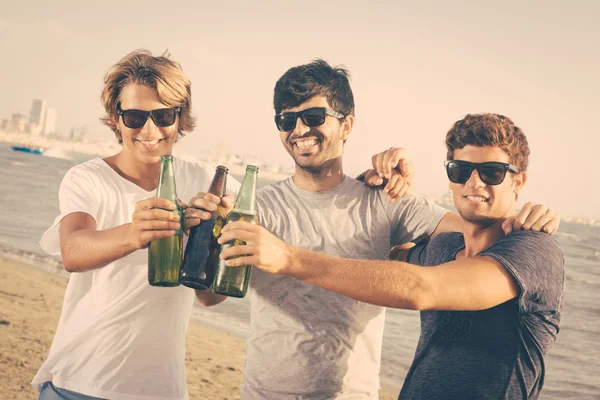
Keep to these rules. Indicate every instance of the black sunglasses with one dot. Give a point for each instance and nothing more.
(310, 117)
(491, 173)
(162, 117)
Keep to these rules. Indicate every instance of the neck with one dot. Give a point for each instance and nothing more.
(479, 238)
(324, 179)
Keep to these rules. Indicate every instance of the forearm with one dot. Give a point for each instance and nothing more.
(85, 250)
(385, 283)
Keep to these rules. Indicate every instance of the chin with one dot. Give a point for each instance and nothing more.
(477, 219)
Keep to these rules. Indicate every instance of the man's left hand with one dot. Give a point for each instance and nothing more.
(393, 169)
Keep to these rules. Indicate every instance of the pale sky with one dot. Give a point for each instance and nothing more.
(417, 67)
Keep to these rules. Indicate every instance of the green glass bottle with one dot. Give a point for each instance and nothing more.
(164, 255)
(197, 268)
(233, 281)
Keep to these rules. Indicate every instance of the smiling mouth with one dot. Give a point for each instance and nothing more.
(480, 199)
(149, 142)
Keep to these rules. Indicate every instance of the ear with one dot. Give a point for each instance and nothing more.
(519, 181)
(347, 125)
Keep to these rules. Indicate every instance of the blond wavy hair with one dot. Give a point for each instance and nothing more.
(159, 73)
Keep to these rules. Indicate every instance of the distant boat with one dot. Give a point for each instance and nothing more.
(28, 149)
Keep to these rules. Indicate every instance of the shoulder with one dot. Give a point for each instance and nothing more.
(89, 170)
(529, 244)
(278, 189)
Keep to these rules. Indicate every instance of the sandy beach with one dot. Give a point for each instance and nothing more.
(30, 305)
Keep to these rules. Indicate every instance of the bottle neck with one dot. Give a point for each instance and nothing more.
(166, 188)
(218, 186)
(246, 199)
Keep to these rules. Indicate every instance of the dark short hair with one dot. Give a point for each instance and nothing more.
(493, 130)
(159, 73)
(317, 78)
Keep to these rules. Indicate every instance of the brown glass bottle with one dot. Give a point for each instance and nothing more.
(197, 269)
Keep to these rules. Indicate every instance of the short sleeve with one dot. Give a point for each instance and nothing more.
(413, 218)
(536, 262)
(416, 254)
(77, 193)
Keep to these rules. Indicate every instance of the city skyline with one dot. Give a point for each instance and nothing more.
(416, 69)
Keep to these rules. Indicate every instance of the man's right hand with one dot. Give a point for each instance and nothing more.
(152, 220)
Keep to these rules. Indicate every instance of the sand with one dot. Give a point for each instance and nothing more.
(30, 305)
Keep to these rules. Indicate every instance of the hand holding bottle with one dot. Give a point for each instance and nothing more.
(202, 205)
(152, 220)
(261, 249)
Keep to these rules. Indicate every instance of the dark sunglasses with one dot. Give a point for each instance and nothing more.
(162, 117)
(491, 173)
(310, 117)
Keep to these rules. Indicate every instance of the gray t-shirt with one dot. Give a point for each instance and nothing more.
(496, 353)
(308, 342)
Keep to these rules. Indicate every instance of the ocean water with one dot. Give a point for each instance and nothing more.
(29, 202)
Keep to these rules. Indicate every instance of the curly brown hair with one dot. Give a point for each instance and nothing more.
(489, 130)
(159, 73)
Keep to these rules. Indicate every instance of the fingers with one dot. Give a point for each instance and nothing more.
(156, 225)
(552, 226)
(207, 203)
(391, 159)
(148, 236)
(520, 218)
(507, 225)
(241, 225)
(239, 250)
(534, 217)
(372, 178)
(535, 213)
(227, 201)
(249, 236)
(194, 213)
(191, 222)
(153, 202)
(394, 187)
(377, 162)
(154, 214)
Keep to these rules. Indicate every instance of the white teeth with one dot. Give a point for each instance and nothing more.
(477, 198)
(302, 144)
(150, 142)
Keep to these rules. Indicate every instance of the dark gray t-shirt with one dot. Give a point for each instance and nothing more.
(496, 353)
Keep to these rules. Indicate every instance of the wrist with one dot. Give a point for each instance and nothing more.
(129, 240)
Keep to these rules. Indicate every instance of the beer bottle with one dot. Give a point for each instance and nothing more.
(197, 271)
(233, 281)
(164, 255)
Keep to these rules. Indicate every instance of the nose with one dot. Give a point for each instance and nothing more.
(300, 129)
(149, 126)
(475, 180)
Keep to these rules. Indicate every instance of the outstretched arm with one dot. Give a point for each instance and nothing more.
(469, 284)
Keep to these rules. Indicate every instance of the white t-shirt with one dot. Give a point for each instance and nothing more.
(118, 337)
(308, 342)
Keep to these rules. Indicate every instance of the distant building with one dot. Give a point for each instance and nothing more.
(49, 122)
(18, 123)
(37, 117)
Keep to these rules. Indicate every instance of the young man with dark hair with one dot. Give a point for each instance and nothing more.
(490, 302)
